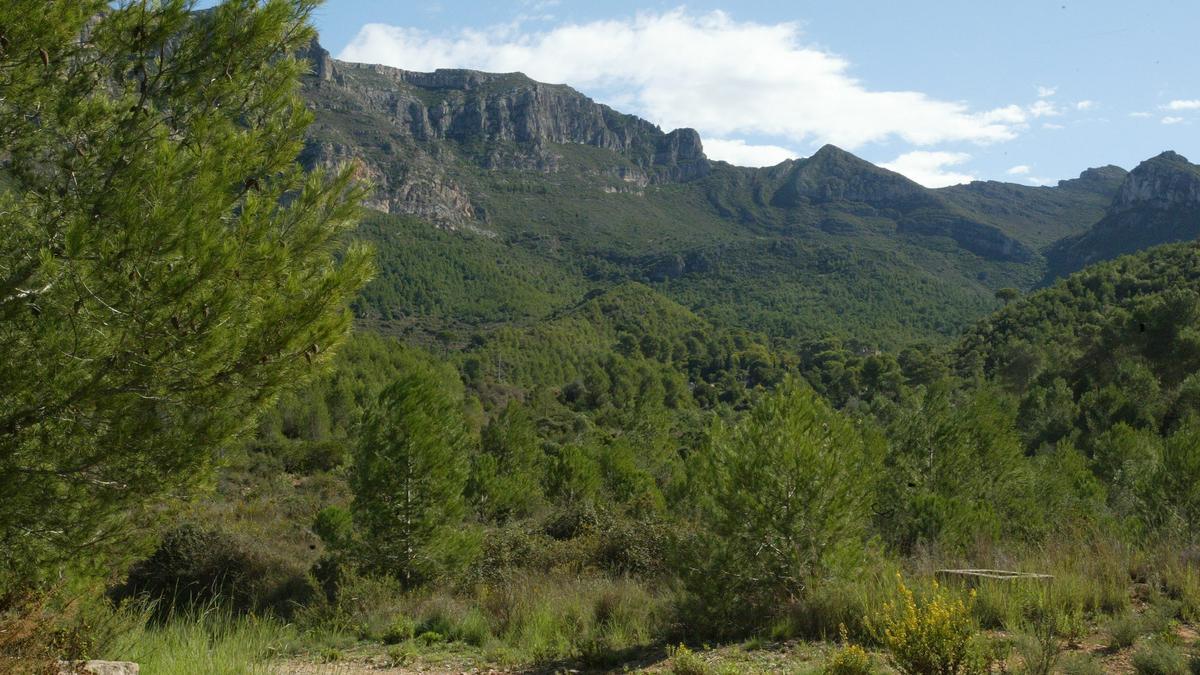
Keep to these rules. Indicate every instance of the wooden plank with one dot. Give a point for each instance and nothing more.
(1003, 575)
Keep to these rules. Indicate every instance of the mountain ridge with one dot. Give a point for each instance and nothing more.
(578, 191)
(1157, 203)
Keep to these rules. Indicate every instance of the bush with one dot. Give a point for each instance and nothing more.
(932, 637)
(430, 637)
(1081, 664)
(814, 474)
(686, 662)
(1123, 631)
(196, 567)
(402, 628)
(1157, 657)
(850, 659)
(335, 527)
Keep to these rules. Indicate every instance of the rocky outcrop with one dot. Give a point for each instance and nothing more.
(1158, 203)
(1163, 182)
(322, 62)
(493, 121)
(1101, 180)
(419, 188)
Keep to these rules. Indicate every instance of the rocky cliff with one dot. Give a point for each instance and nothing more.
(1164, 182)
(409, 129)
(1157, 203)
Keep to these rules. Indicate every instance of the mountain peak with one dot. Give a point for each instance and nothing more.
(1168, 156)
(1103, 180)
(832, 174)
(1164, 181)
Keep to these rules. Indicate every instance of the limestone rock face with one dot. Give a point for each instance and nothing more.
(408, 130)
(1163, 182)
(1158, 203)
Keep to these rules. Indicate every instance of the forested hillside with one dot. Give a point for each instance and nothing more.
(317, 365)
(540, 174)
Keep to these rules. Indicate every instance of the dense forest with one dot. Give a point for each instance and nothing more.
(248, 425)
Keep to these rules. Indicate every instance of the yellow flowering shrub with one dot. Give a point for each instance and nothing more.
(930, 637)
(850, 659)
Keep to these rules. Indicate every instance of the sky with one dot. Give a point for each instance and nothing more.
(943, 91)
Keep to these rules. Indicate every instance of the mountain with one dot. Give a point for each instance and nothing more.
(549, 196)
(1040, 216)
(1157, 203)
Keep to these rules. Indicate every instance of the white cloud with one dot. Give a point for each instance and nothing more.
(1141, 114)
(1085, 105)
(1172, 120)
(1193, 104)
(739, 153)
(724, 77)
(929, 167)
(1046, 92)
(1052, 126)
(1019, 170)
(1040, 182)
(1043, 108)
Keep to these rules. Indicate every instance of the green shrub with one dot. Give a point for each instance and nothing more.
(197, 567)
(402, 628)
(1158, 657)
(473, 628)
(814, 472)
(1123, 631)
(335, 526)
(430, 637)
(1081, 664)
(399, 655)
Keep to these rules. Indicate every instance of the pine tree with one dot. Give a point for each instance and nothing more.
(166, 267)
(786, 491)
(409, 474)
(506, 477)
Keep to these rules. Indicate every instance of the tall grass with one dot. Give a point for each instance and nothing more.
(209, 640)
(531, 618)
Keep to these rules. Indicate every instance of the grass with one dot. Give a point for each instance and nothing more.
(532, 618)
(553, 619)
(1159, 657)
(210, 641)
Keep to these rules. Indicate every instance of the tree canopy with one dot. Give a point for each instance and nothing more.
(166, 266)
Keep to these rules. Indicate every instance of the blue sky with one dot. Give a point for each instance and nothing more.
(941, 90)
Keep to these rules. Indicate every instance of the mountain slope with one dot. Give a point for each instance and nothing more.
(1039, 216)
(1157, 203)
(576, 197)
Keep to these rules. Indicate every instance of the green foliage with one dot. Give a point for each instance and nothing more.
(211, 641)
(197, 568)
(335, 526)
(409, 473)
(1160, 657)
(956, 473)
(166, 266)
(814, 472)
(508, 473)
(1123, 631)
